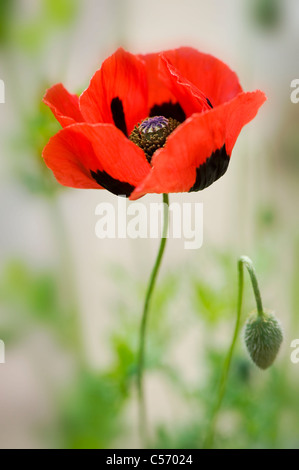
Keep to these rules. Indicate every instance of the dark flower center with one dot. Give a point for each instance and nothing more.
(151, 134)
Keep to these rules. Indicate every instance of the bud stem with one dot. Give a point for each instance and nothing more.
(143, 325)
(243, 261)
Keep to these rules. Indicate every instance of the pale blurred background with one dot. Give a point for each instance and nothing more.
(70, 304)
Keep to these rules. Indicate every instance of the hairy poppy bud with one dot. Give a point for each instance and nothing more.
(263, 337)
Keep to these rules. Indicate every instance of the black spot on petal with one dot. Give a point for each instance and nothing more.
(119, 188)
(209, 103)
(211, 170)
(168, 110)
(118, 115)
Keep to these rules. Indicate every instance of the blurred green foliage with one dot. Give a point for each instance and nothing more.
(31, 34)
(260, 410)
(30, 297)
(6, 14)
(26, 32)
(266, 14)
(38, 126)
(91, 412)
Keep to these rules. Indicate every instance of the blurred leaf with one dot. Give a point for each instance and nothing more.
(31, 36)
(215, 292)
(36, 131)
(91, 416)
(49, 16)
(61, 12)
(35, 295)
(183, 437)
(266, 217)
(267, 14)
(123, 370)
(6, 17)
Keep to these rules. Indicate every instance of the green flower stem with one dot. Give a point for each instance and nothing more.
(142, 336)
(243, 261)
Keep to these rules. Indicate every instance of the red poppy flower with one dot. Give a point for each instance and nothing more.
(156, 123)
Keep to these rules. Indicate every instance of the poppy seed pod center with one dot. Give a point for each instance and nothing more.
(151, 134)
(153, 124)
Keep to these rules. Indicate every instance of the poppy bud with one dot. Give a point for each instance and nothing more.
(263, 337)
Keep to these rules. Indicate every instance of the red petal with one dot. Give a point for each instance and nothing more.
(158, 91)
(187, 94)
(193, 142)
(64, 106)
(122, 76)
(79, 149)
(70, 156)
(214, 78)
